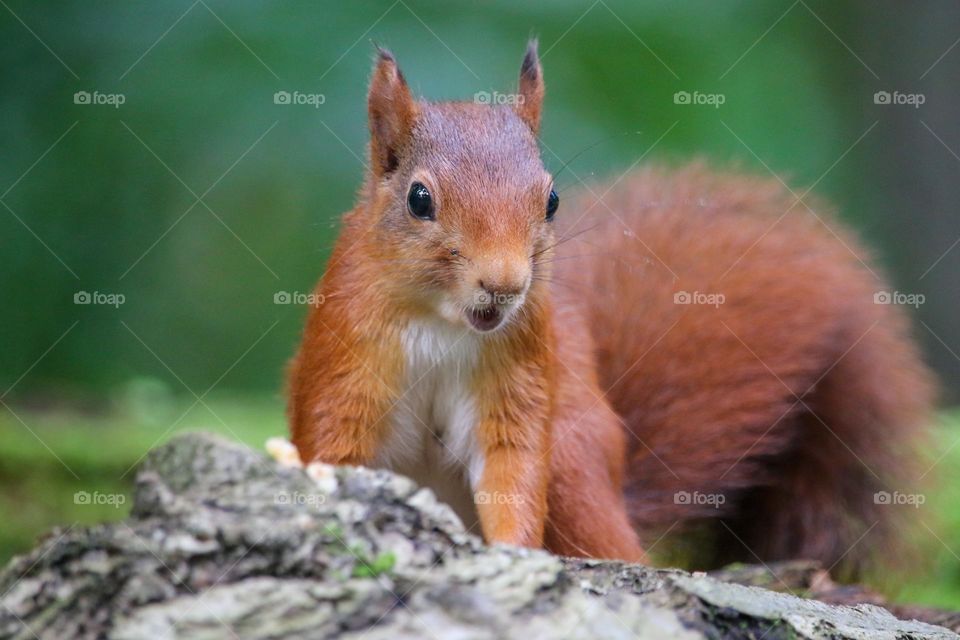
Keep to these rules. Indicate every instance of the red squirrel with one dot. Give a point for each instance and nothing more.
(671, 347)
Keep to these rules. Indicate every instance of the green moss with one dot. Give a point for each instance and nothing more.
(381, 564)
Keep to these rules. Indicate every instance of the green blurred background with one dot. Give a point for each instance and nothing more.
(199, 198)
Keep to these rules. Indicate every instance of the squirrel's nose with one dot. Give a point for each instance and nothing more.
(502, 280)
(503, 289)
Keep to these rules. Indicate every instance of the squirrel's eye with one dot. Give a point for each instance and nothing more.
(553, 201)
(419, 202)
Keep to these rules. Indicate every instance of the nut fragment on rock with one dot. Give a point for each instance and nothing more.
(283, 451)
(324, 475)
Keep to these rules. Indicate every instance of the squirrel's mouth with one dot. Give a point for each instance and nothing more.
(485, 318)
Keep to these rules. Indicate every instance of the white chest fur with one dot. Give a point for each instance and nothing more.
(433, 426)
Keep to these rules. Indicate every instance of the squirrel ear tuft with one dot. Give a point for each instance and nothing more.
(531, 88)
(391, 110)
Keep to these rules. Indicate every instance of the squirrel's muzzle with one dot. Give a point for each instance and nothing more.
(502, 282)
(499, 287)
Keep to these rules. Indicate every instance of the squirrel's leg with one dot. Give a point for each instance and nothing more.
(511, 495)
(513, 434)
(348, 431)
(340, 399)
(587, 515)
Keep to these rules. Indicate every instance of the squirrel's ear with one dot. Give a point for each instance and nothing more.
(391, 111)
(531, 88)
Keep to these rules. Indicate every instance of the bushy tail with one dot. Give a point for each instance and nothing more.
(844, 489)
(770, 391)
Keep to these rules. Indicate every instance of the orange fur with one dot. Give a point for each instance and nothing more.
(599, 398)
(796, 399)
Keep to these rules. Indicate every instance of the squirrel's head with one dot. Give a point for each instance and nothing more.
(461, 204)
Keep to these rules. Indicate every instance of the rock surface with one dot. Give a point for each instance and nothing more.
(223, 542)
